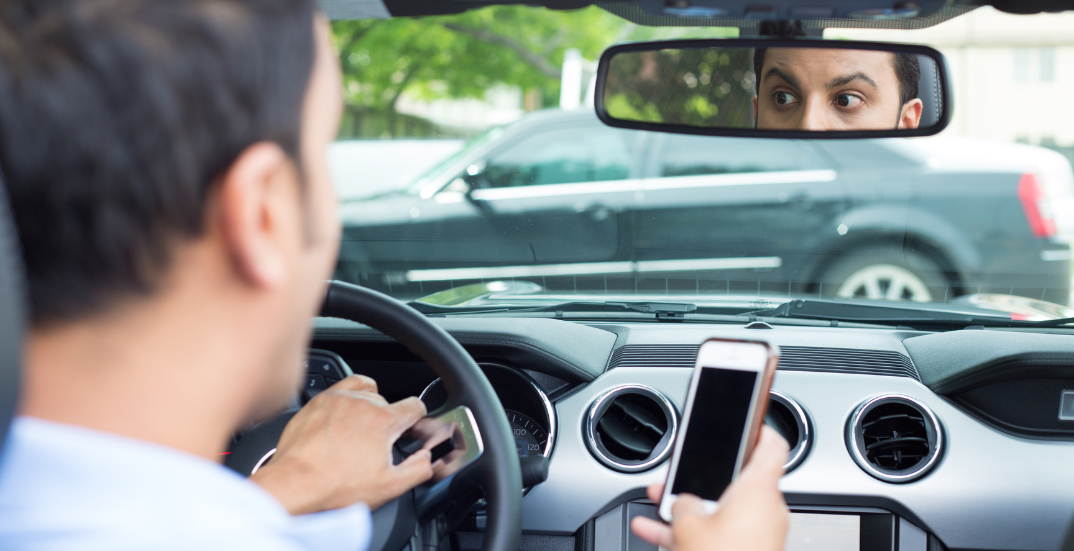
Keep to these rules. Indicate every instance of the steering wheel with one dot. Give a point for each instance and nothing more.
(485, 458)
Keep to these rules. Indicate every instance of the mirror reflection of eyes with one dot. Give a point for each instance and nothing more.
(849, 101)
(783, 98)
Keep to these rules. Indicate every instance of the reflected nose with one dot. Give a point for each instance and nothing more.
(813, 116)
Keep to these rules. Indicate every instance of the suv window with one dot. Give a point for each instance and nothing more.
(698, 155)
(563, 156)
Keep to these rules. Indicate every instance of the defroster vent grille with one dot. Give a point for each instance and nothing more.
(793, 358)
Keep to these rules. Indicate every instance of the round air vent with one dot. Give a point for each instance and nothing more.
(631, 428)
(791, 422)
(895, 438)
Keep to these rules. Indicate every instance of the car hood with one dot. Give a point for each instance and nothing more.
(510, 295)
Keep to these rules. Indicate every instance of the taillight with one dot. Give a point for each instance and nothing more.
(1035, 203)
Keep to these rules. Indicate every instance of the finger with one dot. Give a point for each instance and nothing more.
(413, 470)
(769, 437)
(358, 383)
(768, 457)
(652, 531)
(687, 506)
(407, 412)
(655, 492)
(442, 433)
(361, 395)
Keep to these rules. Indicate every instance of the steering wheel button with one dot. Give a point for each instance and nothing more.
(314, 385)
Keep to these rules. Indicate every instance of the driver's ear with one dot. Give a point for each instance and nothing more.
(257, 213)
(911, 114)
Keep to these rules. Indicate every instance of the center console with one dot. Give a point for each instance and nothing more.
(827, 529)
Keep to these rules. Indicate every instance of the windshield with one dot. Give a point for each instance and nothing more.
(547, 205)
(437, 171)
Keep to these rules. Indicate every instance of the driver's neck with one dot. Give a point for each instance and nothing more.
(173, 368)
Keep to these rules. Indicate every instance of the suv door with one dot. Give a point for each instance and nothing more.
(719, 204)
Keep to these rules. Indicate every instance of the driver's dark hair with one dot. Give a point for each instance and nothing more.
(116, 119)
(907, 70)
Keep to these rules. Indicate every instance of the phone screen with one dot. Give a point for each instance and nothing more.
(714, 433)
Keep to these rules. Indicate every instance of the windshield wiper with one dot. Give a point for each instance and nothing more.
(901, 314)
(918, 316)
(664, 311)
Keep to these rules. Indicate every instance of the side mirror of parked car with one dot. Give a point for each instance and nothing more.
(472, 179)
(775, 88)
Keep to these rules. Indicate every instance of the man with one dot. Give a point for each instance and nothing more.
(835, 89)
(166, 163)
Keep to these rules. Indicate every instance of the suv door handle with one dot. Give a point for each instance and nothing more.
(597, 212)
(800, 200)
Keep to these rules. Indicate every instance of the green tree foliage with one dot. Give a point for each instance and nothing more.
(462, 56)
(707, 87)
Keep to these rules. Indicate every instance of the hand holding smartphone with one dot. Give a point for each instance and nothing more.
(724, 412)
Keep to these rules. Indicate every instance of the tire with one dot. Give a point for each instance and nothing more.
(884, 273)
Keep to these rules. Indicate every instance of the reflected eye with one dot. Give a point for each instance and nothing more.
(849, 101)
(784, 98)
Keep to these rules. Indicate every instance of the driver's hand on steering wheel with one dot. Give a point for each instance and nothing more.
(752, 515)
(337, 451)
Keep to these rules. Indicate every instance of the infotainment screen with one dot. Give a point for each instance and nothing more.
(815, 532)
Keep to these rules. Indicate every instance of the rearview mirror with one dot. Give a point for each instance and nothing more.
(796, 88)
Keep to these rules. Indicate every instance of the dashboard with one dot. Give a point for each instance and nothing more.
(902, 439)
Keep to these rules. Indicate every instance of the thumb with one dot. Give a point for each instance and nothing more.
(766, 463)
(414, 470)
(687, 506)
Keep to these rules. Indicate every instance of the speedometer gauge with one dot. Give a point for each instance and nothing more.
(530, 438)
(529, 412)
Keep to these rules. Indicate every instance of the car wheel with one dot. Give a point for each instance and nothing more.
(888, 273)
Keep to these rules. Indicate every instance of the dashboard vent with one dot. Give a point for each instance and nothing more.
(791, 422)
(894, 438)
(631, 428)
(792, 358)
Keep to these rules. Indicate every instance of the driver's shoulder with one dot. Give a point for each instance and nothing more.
(64, 487)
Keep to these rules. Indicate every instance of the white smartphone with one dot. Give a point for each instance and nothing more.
(723, 416)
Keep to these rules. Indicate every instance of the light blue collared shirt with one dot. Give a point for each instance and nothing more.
(64, 487)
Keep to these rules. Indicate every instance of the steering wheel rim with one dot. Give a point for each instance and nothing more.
(497, 471)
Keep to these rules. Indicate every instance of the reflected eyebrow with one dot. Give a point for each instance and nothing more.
(789, 79)
(851, 78)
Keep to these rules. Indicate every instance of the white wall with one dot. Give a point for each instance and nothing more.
(361, 168)
(981, 49)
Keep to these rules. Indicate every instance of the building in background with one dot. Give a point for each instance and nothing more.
(1024, 63)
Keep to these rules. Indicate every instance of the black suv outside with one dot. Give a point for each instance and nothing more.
(656, 213)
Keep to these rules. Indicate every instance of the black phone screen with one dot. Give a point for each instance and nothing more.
(714, 432)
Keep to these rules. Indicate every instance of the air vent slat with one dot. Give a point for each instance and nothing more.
(624, 440)
(793, 358)
(900, 443)
(640, 418)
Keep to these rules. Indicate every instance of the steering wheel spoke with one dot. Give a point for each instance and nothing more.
(457, 433)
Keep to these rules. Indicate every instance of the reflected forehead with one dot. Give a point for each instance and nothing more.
(830, 62)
